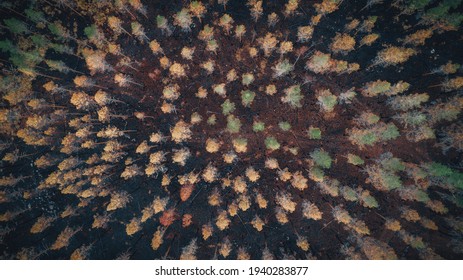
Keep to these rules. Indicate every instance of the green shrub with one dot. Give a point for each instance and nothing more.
(453, 4)
(413, 118)
(282, 68)
(368, 200)
(228, 107)
(247, 97)
(319, 63)
(285, 126)
(258, 126)
(354, 159)
(293, 96)
(450, 176)
(438, 12)
(421, 196)
(212, 120)
(7, 46)
(61, 48)
(369, 138)
(271, 143)
(390, 181)
(26, 60)
(349, 194)
(439, 170)
(447, 113)
(407, 102)
(247, 79)
(418, 4)
(370, 118)
(39, 40)
(240, 142)
(391, 132)
(212, 45)
(35, 16)
(220, 89)
(382, 179)
(314, 133)
(329, 186)
(317, 174)
(347, 96)
(455, 19)
(57, 65)
(413, 193)
(161, 21)
(91, 31)
(56, 29)
(392, 164)
(294, 150)
(441, 12)
(321, 158)
(375, 88)
(327, 100)
(16, 26)
(233, 124)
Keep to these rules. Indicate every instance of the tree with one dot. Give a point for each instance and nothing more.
(164, 25)
(197, 9)
(268, 43)
(226, 22)
(393, 56)
(116, 25)
(96, 61)
(183, 20)
(293, 96)
(291, 7)
(124, 80)
(82, 101)
(139, 31)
